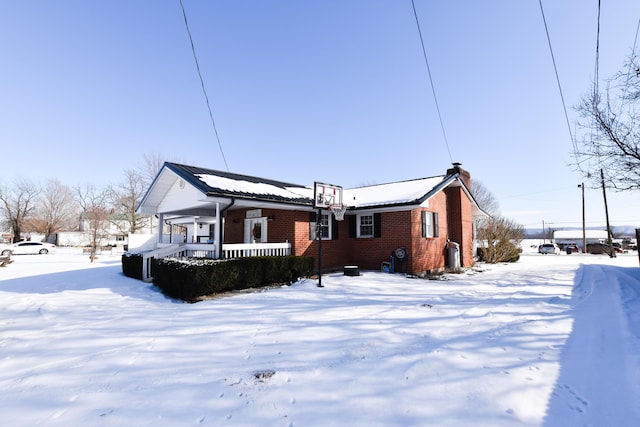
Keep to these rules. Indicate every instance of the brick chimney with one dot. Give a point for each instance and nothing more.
(459, 215)
(465, 176)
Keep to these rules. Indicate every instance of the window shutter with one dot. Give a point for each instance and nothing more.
(312, 225)
(424, 224)
(436, 233)
(352, 226)
(377, 225)
(334, 228)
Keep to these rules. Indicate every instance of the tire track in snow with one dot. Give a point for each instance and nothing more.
(594, 382)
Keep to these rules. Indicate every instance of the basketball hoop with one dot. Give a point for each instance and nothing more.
(338, 210)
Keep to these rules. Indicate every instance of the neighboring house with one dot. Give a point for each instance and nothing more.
(112, 232)
(226, 212)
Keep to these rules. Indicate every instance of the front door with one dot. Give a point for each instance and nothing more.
(255, 230)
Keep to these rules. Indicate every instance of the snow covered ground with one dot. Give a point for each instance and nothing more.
(553, 340)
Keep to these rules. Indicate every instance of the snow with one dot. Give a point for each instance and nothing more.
(553, 340)
(390, 193)
(243, 186)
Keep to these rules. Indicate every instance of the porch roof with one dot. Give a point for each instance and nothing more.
(221, 186)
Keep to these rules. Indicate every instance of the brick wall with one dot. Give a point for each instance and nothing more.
(429, 253)
(368, 253)
(279, 226)
(398, 229)
(467, 232)
(234, 226)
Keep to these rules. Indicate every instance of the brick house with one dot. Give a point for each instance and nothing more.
(224, 214)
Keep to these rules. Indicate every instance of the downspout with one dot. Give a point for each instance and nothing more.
(220, 226)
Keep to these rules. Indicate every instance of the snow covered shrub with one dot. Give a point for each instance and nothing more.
(132, 265)
(190, 279)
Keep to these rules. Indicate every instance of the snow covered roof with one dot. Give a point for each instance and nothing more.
(393, 193)
(215, 183)
(226, 184)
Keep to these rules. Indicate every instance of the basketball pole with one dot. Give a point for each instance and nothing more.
(319, 237)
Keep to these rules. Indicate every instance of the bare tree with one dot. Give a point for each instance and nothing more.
(502, 237)
(151, 165)
(125, 197)
(18, 203)
(55, 210)
(485, 198)
(611, 125)
(95, 214)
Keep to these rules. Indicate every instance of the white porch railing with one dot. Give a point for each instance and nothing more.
(244, 250)
(200, 250)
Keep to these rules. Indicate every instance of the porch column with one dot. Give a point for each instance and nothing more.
(217, 232)
(160, 224)
(195, 230)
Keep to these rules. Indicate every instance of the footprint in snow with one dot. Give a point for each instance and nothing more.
(581, 401)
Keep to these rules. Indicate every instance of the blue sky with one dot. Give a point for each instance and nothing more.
(303, 91)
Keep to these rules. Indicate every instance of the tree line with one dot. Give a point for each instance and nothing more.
(27, 207)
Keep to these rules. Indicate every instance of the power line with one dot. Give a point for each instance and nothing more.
(433, 89)
(555, 68)
(204, 90)
(597, 65)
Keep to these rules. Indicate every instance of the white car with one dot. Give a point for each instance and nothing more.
(21, 248)
(549, 248)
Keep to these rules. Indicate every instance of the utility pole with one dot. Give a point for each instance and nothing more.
(584, 229)
(612, 253)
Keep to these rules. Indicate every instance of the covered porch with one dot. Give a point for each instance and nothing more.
(193, 207)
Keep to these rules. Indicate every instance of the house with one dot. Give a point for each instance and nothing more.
(221, 214)
(111, 232)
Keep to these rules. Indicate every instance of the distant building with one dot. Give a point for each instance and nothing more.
(565, 237)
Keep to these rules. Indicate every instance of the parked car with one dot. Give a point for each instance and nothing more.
(5, 249)
(629, 244)
(23, 248)
(571, 248)
(601, 248)
(618, 247)
(549, 248)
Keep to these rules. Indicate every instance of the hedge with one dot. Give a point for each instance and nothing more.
(190, 279)
(132, 265)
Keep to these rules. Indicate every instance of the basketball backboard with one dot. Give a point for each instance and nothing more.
(326, 195)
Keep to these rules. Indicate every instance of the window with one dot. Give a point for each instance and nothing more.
(365, 225)
(324, 227)
(429, 224)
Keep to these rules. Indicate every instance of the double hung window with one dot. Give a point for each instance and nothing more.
(322, 227)
(365, 225)
(429, 224)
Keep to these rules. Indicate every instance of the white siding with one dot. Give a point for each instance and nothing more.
(182, 198)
